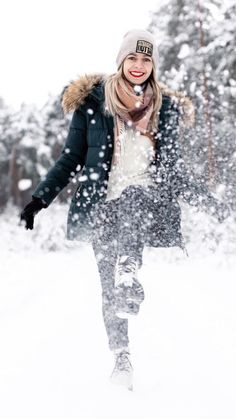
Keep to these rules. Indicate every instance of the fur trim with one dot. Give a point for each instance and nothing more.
(76, 92)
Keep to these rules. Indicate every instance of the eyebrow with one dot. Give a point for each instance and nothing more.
(135, 54)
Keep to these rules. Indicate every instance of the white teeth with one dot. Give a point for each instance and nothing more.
(135, 73)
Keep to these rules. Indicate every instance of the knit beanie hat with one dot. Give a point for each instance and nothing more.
(138, 40)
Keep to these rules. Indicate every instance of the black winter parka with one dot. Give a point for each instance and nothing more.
(87, 155)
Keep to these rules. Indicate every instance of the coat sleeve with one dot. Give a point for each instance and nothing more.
(71, 160)
(182, 181)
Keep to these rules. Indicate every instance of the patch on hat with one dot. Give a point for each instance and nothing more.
(144, 47)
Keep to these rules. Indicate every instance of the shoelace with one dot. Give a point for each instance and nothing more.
(127, 266)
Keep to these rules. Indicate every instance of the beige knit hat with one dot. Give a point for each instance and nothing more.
(138, 40)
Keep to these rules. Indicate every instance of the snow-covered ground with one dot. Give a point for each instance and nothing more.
(54, 357)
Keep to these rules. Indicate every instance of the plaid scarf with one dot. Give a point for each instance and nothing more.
(137, 116)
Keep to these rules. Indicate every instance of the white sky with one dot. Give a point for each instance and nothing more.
(45, 44)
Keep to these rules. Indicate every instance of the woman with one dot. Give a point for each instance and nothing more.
(124, 138)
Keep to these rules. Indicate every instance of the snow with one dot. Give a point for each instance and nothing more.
(54, 357)
(184, 51)
(24, 184)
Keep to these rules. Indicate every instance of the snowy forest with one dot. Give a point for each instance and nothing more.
(197, 56)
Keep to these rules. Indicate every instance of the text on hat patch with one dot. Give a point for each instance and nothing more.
(144, 47)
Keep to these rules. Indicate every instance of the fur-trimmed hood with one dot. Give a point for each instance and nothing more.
(76, 92)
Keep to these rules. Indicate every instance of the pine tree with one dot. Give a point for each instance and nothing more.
(197, 56)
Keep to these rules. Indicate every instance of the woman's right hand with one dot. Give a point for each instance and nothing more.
(29, 212)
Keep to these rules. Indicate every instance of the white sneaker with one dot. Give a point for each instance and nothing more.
(122, 373)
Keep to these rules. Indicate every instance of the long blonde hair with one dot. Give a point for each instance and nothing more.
(113, 105)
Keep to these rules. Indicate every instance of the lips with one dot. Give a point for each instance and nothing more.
(136, 73)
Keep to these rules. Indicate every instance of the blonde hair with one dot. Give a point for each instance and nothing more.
(113, 105)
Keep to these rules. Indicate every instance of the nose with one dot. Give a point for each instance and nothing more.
(139, 65)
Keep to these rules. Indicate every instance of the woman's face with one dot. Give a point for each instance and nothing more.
(137, 67)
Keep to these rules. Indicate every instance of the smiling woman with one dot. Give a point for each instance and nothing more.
(124, 137)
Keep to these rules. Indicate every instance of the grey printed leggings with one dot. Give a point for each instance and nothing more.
(120, 228)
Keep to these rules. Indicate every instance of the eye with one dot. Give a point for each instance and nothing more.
(147, 60)
(131, 58)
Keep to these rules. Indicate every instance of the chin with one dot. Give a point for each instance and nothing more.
(136, 81)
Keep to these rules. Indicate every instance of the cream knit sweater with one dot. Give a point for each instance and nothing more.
(134, 166)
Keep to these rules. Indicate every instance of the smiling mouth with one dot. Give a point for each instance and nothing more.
(136, 74)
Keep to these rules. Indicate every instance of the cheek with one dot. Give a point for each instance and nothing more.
(126, 67)
(149, 69)
(126, 70)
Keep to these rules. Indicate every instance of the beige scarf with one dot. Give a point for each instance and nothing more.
(137, 116)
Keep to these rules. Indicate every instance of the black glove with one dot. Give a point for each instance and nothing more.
(30, 211)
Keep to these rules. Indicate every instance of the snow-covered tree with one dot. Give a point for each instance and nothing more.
(31, 140)
(197, 55)
(56, 126)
